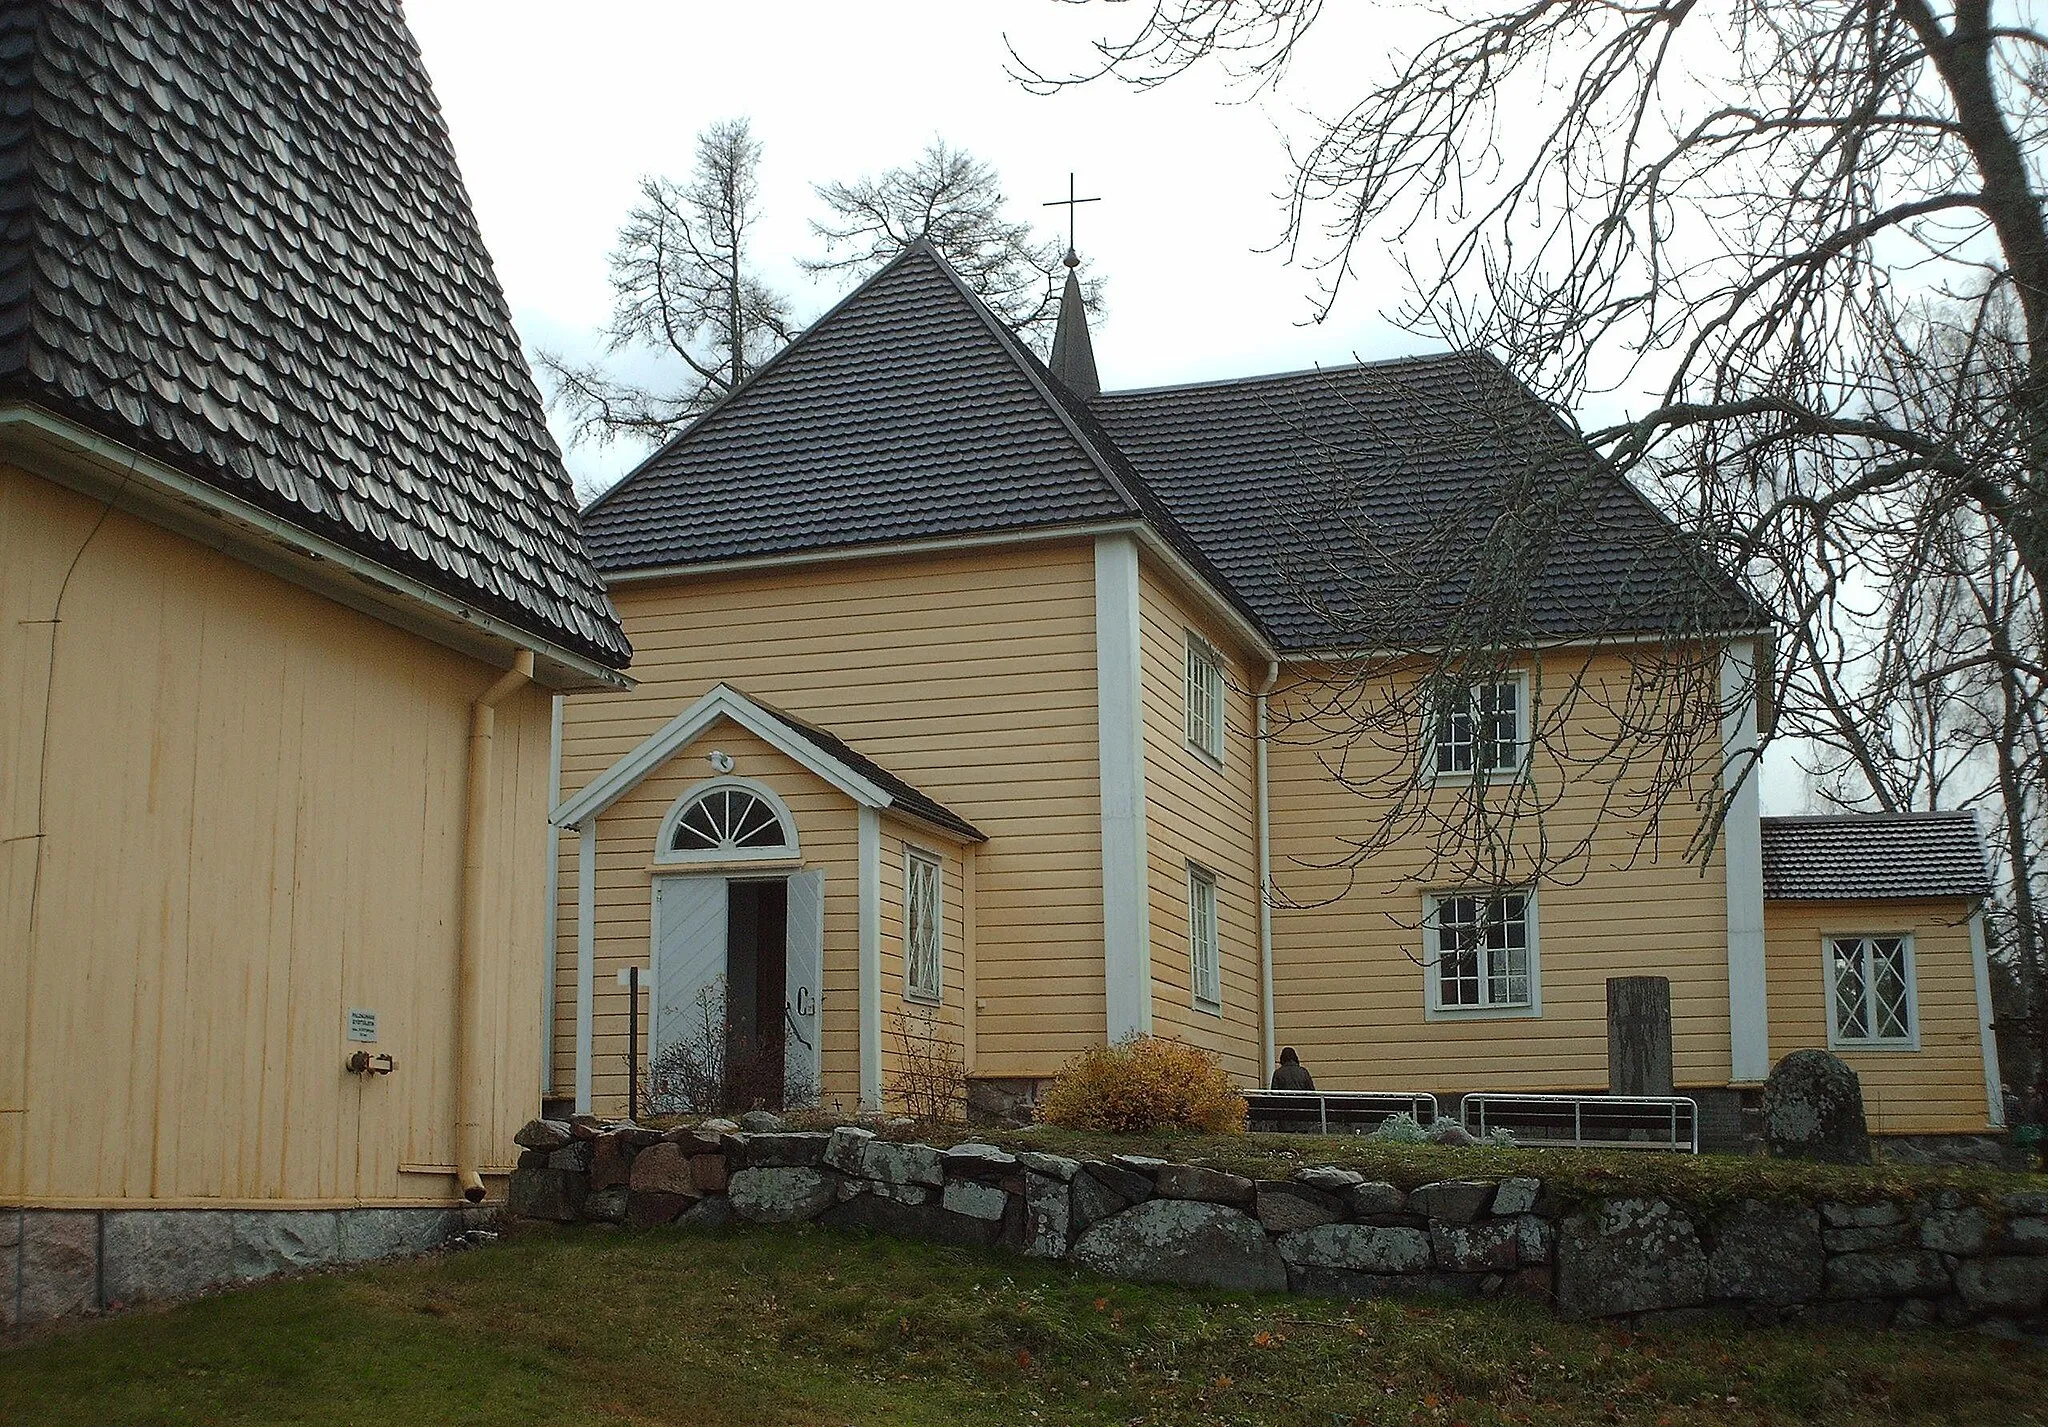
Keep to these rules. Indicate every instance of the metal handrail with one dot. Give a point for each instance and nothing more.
(1419, 1104)
(1473, 1107)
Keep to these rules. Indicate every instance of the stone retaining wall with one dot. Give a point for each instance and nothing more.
(1931, 1261)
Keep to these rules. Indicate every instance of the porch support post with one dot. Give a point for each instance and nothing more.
(1749, 1029)
(1120, 741)
(586, 958)
(870, 959)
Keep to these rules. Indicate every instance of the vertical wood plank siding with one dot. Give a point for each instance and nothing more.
(254, 803)
(972, 676)
(1198, 812)
(1348, 979)
(1938, 1088)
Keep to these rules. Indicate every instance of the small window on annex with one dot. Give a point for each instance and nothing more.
(1479, 730)
(1870, 993)
(1482, 951)
(1204, 698)
(923, 937)
(726, 822)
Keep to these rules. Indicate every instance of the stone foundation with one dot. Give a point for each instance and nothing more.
(1936, 1260)
(60, 1263)
(1011, 1102)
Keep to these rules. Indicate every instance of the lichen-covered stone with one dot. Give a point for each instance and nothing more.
(542, 1135)
(762, 1122)
(845, 1146)
(780, 1194)
(1209, 1186)
(1887, 1273)
(1052, 1166)
(606, 1206)
(977, 1160)
(1145, 1164)
(2024, 1236)
(1767, 1252)
(1628, 1256)
(1048, 1216)
(1328, 1178)
(365, 1234)
(1458, 1201)
(890, 1163)
(1124, 1184)
(1813, 1109)
(573, 1157)
(268, 1241)
(1190, 1242)
(1518, 1195)
(1535, 1242)
(1486, 1246)
(1284, 1206)
(1368, 1197)
(711, 1212)
(1360, 1248)
(1862, 1216)
(975, 1200)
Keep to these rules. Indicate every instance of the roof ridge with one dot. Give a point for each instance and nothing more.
(1320, 369)
(1874, 815)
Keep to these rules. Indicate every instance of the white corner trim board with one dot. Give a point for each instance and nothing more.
(586, 959)
(1987, 1037)
(1120, 742)
(870, 959)
(551, 908)
(1749, 1036)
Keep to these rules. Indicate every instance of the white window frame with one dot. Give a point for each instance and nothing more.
(1205, 942)
(1203, 682)
(665, 853)
(929, 991)
(1865, 939)
(1486, 1010)
(1434, 716)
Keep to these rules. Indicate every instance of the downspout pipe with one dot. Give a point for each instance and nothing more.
(469, 980)
(1267, 1048)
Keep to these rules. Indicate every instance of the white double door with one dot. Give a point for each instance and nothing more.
(691, 921)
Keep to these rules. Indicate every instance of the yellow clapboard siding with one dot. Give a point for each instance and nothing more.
(972, 676)
(1349, 984)
(254, 812)
(1935, 1089)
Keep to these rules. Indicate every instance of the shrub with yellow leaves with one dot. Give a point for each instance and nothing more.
(1144, 1083)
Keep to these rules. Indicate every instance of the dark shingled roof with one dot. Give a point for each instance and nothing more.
(905, 797)
(908, 412)
(1867, 856)
(235, 238)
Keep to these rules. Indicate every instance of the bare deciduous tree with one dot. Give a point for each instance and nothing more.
(684, 291)
(1750, 212)
(956, 203)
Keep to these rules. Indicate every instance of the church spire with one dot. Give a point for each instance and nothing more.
(1073, 355)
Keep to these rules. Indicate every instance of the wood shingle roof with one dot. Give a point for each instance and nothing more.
(1862, 856)
(233, 236)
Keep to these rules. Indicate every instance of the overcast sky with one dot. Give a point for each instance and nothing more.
(557, 111)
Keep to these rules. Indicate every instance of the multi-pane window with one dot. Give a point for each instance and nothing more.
(1207, 971)
(923, 969)
(1481, 944)
(1205, 698)
(1478, 729)
(1870, 983)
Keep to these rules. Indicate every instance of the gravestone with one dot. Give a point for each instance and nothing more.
(1639, 1035)
(1813, 1109)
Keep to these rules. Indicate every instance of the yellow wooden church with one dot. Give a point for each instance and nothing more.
(971, 695)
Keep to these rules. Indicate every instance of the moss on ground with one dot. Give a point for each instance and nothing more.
(804, 1326)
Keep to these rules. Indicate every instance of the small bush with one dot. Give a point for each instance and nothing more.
(1401, 1128)
(1144, 1083)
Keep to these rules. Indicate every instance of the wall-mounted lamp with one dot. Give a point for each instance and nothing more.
(363, 1063)
(721, 761)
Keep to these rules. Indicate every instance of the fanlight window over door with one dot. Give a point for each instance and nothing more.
(726, 822)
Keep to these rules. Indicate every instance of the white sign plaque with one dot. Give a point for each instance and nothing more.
(362, 1024)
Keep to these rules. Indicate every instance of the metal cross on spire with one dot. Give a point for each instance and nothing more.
(1070, 203)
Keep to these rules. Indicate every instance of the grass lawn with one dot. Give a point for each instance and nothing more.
(807, 1326)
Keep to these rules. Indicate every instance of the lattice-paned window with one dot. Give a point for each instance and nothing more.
(1204, 955)
(923, 922)
(1479, 730)
(1870, 990)
(1204, 698)
(726, 821)
(1481, 950)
